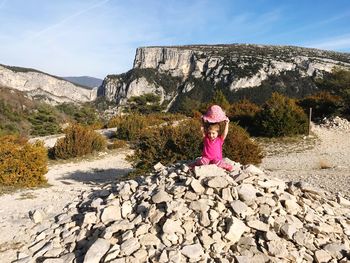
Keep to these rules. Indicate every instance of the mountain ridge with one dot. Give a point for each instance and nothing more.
(239, 70)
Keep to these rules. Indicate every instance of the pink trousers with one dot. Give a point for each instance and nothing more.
(220, 163)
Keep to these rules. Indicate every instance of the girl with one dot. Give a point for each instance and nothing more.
(212, 141)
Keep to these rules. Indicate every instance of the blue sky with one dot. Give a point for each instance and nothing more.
(99, 37)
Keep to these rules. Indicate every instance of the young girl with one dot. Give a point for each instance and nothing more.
(212, 141)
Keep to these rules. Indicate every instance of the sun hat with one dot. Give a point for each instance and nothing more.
(214, 114)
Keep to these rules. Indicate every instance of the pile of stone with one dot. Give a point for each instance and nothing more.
(205, 215)
(336, 123)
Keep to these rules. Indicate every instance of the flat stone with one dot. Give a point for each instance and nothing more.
(200, 205)
(208, 171)
(277, 248)
(343, 201)
(193, 252)
(129, 246)
(110, 213)
(97, 250)
(217, 182)
(37, 216)
(149, 240)
(126, 209)
(161, 196)
(247, 192)
(173, 226)
(235, 229)
(241, 209)
(322, 256)
(288, 230)
(158, 166)
(258, 225)
(197, 186)
(252, 169)
(163, 258)
(226, 195)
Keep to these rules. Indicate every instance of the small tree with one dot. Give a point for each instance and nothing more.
(323, 104)
(219, 98)
(145, 104)
(44, 121)
(280, 116)
(243, 112)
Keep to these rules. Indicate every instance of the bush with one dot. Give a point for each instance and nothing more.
(83, 114)
(243, 112)
(44, 121)
(323, 104)
(281, 116)
(239, 147)
(130, 127)
(220, 99)
(144, 104)
(21, 163)
(78, 141)
(169, 144)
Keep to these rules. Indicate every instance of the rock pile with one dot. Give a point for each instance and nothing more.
(208, 215)
(336, 123)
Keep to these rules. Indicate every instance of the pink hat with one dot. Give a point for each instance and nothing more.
(214, 114)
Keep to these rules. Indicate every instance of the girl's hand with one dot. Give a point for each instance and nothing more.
(227, 120)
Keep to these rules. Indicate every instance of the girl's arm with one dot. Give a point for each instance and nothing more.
(224, 134)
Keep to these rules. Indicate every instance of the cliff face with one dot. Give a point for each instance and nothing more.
(231, 68)
(43, 86)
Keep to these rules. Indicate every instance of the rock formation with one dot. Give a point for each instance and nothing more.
(195, 71)
(39, 85)
(209, 215)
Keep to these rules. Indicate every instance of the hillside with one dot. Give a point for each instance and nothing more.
(240, 71)
(44, 87)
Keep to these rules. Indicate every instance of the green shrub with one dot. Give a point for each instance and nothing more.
(129, 127)
(44, 121)
(220, 99)
(338, 82)
(323, 104)
(21, 163)
(78, 141)
(281, 116)
(188, 106)
(243, 112)
(239, 147)
(170, 144)
(144, 104)
(83, 114)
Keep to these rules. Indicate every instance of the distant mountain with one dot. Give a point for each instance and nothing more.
(85, 81)
(44, 87)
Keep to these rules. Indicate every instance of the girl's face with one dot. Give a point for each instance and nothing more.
(213, 134)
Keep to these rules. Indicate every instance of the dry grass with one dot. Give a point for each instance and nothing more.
(324, 164)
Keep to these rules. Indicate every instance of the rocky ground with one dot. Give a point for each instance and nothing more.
(67, 212)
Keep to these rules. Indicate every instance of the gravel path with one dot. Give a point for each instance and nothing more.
(326, 164)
